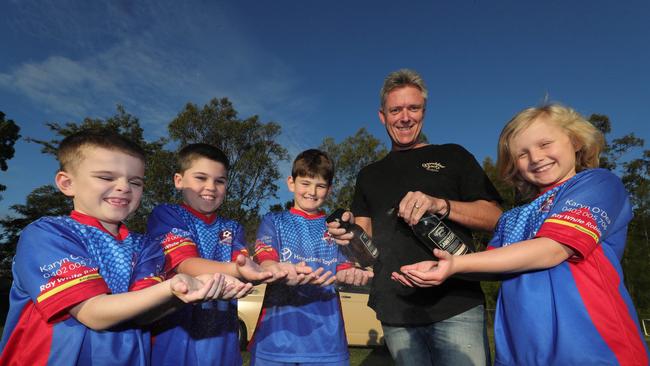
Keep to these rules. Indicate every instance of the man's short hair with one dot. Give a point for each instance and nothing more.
(399, 79)
(312, 163)
(192, 152)
(71, 150)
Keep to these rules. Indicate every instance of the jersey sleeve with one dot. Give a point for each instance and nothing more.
(266, 242)
(497, 238)
(474, 183)
(167, 228)
(585, 210)
(56, 271)
(148, 270)
(239, 242)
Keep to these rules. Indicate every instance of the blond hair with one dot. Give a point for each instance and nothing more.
(581, 132)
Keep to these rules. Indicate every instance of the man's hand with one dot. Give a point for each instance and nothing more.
(339, 234)
(415, 204)
(426, 273)
(354, 276)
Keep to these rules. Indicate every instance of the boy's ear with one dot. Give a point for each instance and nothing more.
(64, 182)
(291, 184)
(178, 181)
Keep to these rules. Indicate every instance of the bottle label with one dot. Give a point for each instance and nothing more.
(367, 242)
(445, 239)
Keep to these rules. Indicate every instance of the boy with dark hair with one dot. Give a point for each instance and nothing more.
(80, 279)
(196, 240)
(303, 324)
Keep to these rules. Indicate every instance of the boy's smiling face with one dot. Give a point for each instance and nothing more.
(105, 184)
(203, 185)
(544, 154)
(308, 193)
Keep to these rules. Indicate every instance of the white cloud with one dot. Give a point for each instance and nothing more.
(158, 59)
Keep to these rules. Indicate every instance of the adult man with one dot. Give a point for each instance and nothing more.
(421, 325)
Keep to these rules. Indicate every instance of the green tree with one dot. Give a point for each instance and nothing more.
(349, 156)
(8, 136)
(43, 201)
(251, 148)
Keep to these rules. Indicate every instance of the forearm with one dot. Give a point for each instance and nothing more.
(105, 311)
(476, 215)
(365, 223)
(539, 253)
(198, 266)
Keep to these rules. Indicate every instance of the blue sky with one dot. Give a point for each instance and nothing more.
(316, 67)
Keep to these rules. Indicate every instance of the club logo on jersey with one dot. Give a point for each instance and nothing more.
(433, 166)
(328, 238)
(546, 206)
(225, 237)
(286, 254)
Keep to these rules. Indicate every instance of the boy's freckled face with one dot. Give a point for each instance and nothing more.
(203, 185)
(106, 184)
(308, 193)
(544, 154)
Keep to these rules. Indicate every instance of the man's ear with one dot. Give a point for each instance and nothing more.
(65, 183)
(382, 116)
(291, 184)
(178, 181)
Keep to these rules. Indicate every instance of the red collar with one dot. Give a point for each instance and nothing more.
(122, 231)
(298, 212)
(553, 186)
(208, 219)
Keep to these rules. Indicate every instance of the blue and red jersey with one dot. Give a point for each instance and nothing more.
(199, 334)
(578, 312)
(59, 263)
(299, 323)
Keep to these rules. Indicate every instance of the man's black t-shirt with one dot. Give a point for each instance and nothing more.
(443, 171)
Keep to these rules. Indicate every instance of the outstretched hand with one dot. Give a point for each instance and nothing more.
(426, 273)
(252, 272)
(190, 289)
(292, 274)
(233, 288)
(354, 276)
(322, 278)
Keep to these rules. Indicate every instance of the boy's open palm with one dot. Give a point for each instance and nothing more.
(354, 276)
(426, 273)
(196, 289)
(235, 289)
(252, 272)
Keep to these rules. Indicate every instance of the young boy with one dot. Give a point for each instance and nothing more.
(196, 240)
(564, 300)
(79, 279)
(303, 324)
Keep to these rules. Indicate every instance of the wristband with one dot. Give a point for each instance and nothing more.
(446, 214)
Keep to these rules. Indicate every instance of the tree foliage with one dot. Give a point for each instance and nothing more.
(349, 156)
(43, 201)
(9, 134)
